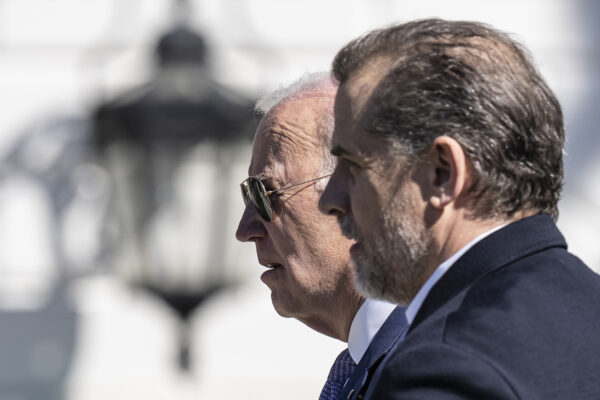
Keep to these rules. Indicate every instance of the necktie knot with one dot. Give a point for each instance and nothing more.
(340, 371)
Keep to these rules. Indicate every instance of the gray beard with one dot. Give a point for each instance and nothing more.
(392, 261)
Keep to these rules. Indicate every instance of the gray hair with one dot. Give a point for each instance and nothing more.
(310, 82)
(318, 85)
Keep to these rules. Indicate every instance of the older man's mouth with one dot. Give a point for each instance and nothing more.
(269, 264)
(273, 272)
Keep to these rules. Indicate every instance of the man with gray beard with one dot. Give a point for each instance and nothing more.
(449, 169)
(375, 274)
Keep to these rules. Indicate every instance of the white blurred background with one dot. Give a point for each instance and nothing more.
(72, 324)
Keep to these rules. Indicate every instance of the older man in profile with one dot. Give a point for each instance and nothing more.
(449, 147)
(306, 255)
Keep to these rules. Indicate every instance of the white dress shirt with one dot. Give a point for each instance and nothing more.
(366, 323)
(415, 304)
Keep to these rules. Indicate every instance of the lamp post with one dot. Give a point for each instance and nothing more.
(170, 147)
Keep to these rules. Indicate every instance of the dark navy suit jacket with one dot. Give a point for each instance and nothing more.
(516, 317)
(393, 329)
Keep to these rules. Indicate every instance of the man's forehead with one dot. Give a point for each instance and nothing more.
(358, 88)
(268, 154)
(292, 125)
(352, 99)
(286, 134)
(348, 133)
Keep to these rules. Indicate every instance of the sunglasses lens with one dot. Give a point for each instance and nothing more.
(260, 199)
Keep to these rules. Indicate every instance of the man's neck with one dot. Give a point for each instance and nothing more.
(455, 233)
(337, 319)
(443, 267)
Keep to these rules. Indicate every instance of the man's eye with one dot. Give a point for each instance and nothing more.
(275, 196)
(268, 186)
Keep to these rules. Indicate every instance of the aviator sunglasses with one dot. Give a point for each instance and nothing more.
(254, 189)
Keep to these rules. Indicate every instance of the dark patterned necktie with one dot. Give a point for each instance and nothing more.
(340, 371)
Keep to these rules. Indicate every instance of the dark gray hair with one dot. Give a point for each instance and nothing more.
(475, 84)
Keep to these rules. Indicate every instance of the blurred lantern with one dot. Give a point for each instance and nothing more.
(171, 147)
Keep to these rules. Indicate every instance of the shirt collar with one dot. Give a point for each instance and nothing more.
(415, 304)
(366, 323)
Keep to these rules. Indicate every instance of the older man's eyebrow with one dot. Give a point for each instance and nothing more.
(265, 178)
(268, 179)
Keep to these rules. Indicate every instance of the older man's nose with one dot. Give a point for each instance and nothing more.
(250, 227)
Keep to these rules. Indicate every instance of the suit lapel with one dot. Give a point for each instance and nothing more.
(516, 240)
(393, 329)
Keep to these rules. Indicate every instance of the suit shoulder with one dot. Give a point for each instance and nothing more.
(547, 282)
(535, 321)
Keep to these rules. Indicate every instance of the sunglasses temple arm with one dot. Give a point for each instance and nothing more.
(296, 184)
